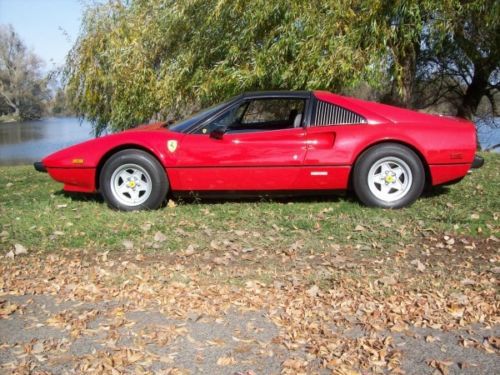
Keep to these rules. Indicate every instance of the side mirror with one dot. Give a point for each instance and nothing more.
(218, 132)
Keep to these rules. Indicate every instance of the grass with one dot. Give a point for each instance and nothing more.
(36, 213)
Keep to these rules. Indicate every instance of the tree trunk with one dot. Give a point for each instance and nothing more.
(407, 62)
(11, 104)
(474, 93)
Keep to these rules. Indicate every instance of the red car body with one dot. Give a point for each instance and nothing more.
(303, 158)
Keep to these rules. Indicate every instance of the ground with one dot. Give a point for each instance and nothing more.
(289, 286)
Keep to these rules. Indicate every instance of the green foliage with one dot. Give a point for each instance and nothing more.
(140, 60)
(132, 61)
(438, 50)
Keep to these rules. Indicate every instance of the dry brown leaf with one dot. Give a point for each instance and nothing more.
(160, 237)
(127, 244)
(19, 249)
(226, 361)
(7, 308)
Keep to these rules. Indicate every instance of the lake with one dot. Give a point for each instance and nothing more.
(30, 141)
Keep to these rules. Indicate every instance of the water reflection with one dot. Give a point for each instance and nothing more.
(26, 142)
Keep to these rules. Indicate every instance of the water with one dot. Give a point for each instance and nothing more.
(30, 141)
(26, 142)
(488, 132)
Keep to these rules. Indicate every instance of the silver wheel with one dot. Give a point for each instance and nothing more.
(390, 179)
(131, 185)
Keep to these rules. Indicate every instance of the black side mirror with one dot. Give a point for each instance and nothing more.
(218, 132)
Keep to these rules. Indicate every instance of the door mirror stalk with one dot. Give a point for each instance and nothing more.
(218, 133)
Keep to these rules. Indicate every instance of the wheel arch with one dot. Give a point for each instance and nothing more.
(119, 148)
(425, 164)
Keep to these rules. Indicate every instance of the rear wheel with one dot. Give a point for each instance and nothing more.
(389, 176)
(133, 180)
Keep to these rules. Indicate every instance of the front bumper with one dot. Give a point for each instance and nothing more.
(477, 162)
(40, 167)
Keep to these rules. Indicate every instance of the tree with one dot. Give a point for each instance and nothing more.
(138, 60)
(163, 57)
(438, 51)
(467, 57)
(23, 90)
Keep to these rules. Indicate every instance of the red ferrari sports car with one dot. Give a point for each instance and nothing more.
(274, 142)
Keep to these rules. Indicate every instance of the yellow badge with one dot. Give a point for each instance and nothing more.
(172, 145)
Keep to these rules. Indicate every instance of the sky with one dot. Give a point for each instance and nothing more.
(48, 27)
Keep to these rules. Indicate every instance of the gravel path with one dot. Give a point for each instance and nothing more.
(235, 343)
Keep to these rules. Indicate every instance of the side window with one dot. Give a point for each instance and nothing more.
(279, 111)
(259, 115)
(227, 119)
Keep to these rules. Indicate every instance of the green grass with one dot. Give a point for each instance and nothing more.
(37, 214)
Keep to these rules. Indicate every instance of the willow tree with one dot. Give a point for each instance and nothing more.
(160, 58)
(437, 50)
(138, 60)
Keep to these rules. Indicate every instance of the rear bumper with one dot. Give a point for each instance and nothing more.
(40, 167)
(478, 162)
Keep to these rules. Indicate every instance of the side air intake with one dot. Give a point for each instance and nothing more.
(331, 114)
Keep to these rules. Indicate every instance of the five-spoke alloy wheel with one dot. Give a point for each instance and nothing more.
(133, 180)
(389, 176)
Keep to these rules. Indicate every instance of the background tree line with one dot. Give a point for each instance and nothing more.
(26, 92)
(137, 60)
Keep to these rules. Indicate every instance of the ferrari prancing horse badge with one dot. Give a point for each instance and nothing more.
(172, 145)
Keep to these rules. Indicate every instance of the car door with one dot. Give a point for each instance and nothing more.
(330, 133)
(260, 145)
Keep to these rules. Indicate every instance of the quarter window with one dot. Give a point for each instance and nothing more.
(331, 114)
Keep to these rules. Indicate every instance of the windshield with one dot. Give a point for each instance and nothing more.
(184, 125)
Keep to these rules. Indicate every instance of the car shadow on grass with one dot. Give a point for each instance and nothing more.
(80, 197)
(284, 198)
(220, 198)
(435, 191)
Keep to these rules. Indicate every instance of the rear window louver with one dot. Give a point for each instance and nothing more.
(331, 114)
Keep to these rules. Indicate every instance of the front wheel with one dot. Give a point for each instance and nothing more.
(388, 176)
(133, 180)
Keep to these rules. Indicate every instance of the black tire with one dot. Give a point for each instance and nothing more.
(378, 169)
(133, 180)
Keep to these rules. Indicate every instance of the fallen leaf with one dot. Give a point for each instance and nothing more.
(293, 363)
(128, 245)
(494, 341)
(160, 237)
(220, 261)
(313, 291)
(146, 227)
(7, 309)
(441, 366)
(226, 361)
(19, 249)
(420, 266)
(495, 270)
(190, 250)
(387, 280)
